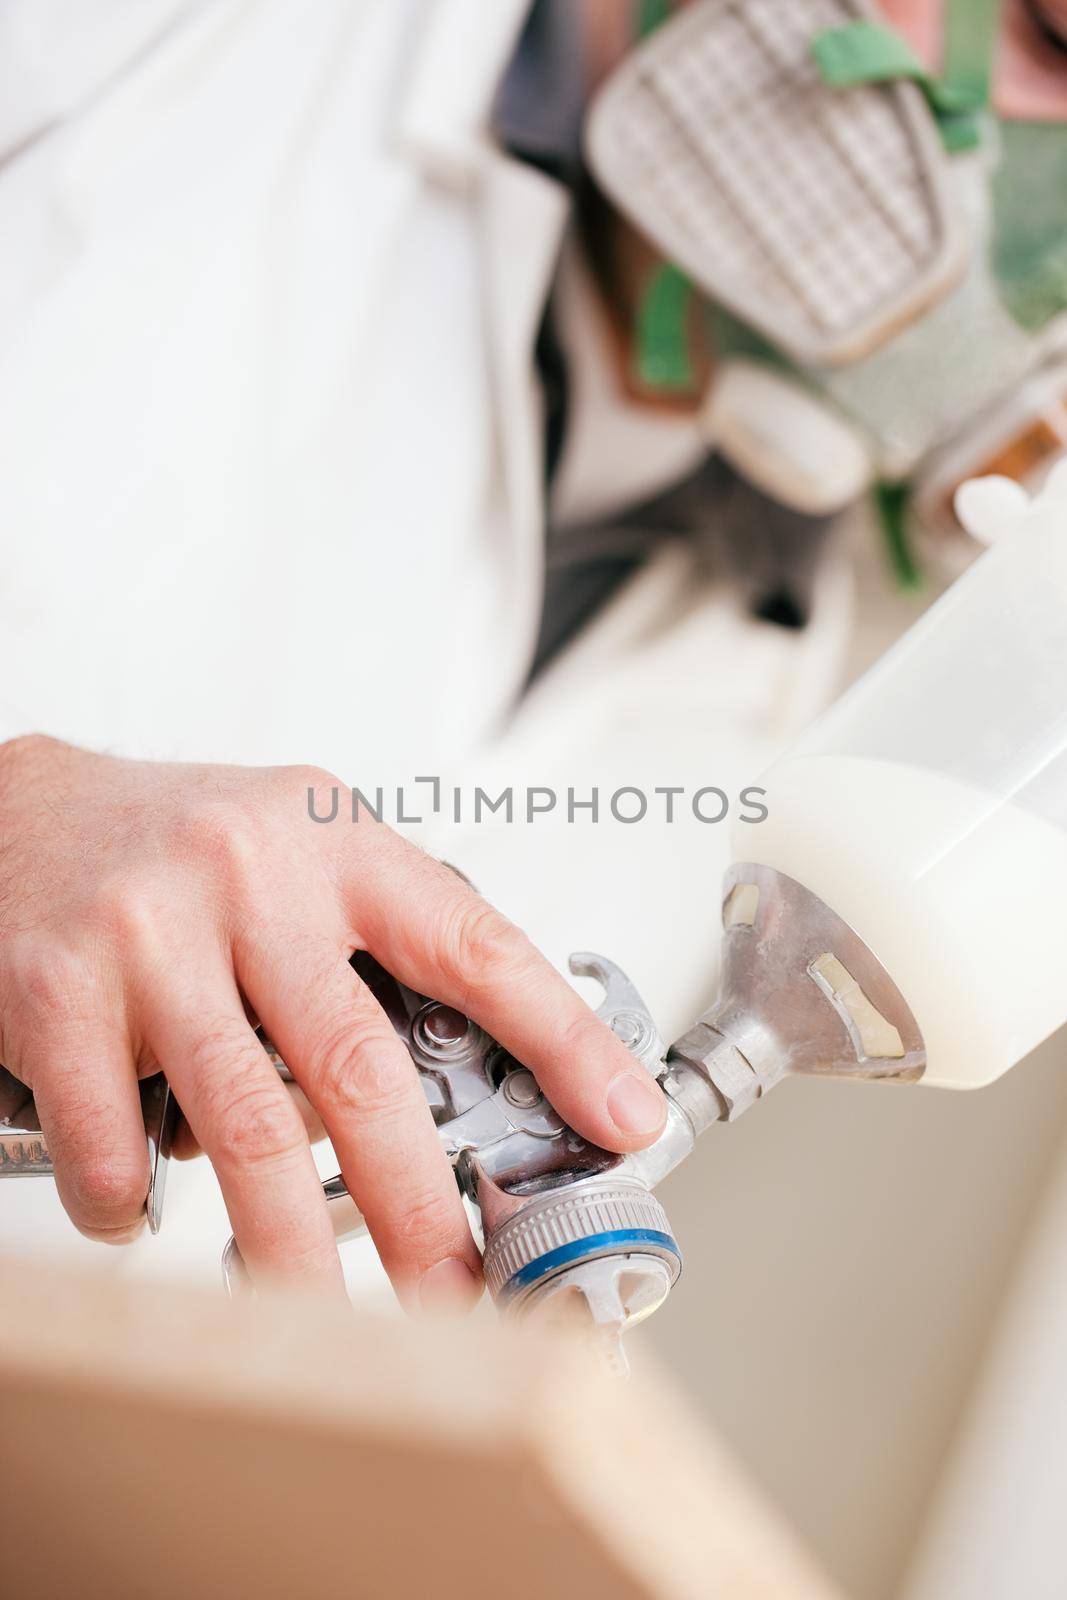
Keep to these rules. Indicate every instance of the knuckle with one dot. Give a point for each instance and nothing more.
(481, 947)
(305, 776)
(586, 1033)
(128, 910)
(257, 1126)
(48, 983)
(248, 1118)
(217, 833)
(357, 1071)
(314, 790)
(424, 1221)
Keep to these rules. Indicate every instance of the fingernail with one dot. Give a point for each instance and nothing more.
(448, 1289)
(635, 1105)
(125, 1235)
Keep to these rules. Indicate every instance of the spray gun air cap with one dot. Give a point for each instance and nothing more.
(597, 1256)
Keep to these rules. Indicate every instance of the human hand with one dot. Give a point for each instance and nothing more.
(152, 914)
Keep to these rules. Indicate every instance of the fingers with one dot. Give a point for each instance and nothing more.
(341, 1047)
(184, 1146)
(428, 928)
(241, 1116)
(90, 1112)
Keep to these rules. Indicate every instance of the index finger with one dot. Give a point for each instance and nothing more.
(432, 931)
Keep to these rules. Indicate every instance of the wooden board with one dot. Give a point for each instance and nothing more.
(157, 1442)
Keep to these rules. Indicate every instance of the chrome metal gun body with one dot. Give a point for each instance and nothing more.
(571, 1232)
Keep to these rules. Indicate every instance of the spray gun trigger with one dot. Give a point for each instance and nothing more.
(622, 1008)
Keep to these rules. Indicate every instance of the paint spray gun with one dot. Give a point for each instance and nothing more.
(573, 1234)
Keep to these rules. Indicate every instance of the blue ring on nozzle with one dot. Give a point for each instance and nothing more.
(617, 1240)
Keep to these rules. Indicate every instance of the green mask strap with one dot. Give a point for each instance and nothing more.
(892, 501)
(661, 359)
(661, 345)
(970, 34)
(869, 52)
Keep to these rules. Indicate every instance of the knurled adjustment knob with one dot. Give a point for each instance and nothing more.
(562, 1227)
